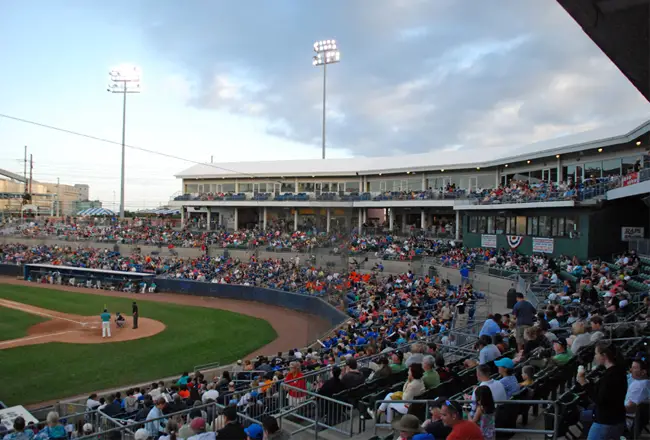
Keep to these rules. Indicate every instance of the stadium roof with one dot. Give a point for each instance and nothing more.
(607, 135)
(95, 212)
(620, 28)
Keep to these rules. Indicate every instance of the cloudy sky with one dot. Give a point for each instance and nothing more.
(234, 80)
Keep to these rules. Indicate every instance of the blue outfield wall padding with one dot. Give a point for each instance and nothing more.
(288, 300)
(279, 298)
(11, 270)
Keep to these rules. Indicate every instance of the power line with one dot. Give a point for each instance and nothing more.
(133, 147)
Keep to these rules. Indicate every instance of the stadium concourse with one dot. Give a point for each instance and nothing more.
(413, 344)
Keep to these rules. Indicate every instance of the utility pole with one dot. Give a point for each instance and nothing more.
(25, 169)
(58, 197)
(31, 169)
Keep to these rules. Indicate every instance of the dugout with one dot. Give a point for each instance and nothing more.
(84, 277)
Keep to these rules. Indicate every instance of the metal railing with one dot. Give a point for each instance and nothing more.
(125, 428)
(553, 433)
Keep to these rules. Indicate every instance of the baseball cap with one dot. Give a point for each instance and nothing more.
(197, 424)
(255, 431)
(561, 341)
(141, 434)
(87, 427)
(505, 363)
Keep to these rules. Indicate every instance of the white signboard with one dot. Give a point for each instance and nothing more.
(631, 232)
(488, 241)
(542, 245)
(8, 415)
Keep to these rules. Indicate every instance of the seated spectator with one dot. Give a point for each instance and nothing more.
(528, 376)
(198, 426)
(452, 416)
(54, 430)
(508, 380)
(384, 371)
(487, 352)
(580, 338)
(413, 387)
(638, 389)
(562, 353)
(431, 378)
(20, 433)
(443, 371)
(233, 429)
(596, 328)
(485, 412)
(483, 376)
(171, 431)
(254, 432)
(186, 430)
(434, 424)
(272, 430)
(352, 377)
(397, 362)
(333, 385)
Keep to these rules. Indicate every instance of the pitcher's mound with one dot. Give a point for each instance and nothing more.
(76, 329)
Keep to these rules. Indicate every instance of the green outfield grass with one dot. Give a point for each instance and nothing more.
(14, 324)
(194, 335)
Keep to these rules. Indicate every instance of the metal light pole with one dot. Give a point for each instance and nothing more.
(326, 53)
(124, 79)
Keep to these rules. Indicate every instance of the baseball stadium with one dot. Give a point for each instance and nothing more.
(499, 293)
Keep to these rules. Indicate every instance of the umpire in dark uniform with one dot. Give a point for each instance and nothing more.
(135, 315)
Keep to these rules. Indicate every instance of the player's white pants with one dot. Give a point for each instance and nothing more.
(106, 329)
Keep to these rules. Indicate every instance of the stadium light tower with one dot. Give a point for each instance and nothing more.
(124, 79)
(326, 53)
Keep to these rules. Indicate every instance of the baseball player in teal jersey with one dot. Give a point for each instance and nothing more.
(106, 324)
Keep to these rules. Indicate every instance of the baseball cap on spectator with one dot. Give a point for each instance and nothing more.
(141, 434)
(87, 427)
(197, 424)
(239, 362)
(561, 341)
(255, 431)
(505, 363)
(423, 436)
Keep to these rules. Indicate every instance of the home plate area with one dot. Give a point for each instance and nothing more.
(75, 329)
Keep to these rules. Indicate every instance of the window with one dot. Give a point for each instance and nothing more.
(261, 187)
(535, 176)
(191, 188)
(511, 225)
(306, 186)
(571, 225)
(628, 163)
(544, 226)
(228, 187)
(612, 167)
(245, 187)
(592, 169)
(500, 225)
(554, 175)
(490, 225)
(473, 220)
(374, 186)
(485, 181)
(569, 173)
(288, 187)
(521, 225)
(352, 186)
(482, 225)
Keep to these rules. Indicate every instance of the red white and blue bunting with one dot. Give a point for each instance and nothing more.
(514, 241)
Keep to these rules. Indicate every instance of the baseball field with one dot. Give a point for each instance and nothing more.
(51, 345)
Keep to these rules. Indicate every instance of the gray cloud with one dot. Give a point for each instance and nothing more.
(415, 75)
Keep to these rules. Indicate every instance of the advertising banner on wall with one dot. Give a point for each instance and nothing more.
(542, 245)
(631, 232)
(631, 179)
(488, 241)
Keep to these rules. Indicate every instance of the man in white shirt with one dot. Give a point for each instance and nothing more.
(497, 388)
(638, 389)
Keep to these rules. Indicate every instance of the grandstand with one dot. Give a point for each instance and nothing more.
(555, 197)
